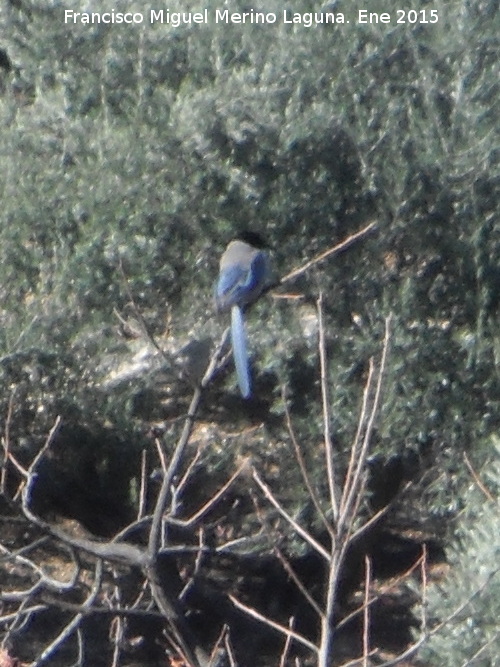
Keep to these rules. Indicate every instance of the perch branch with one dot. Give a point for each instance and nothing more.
(326, 254)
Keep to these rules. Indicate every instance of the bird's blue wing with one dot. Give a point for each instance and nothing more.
(238, 285)
(259, 273)
(229, 284)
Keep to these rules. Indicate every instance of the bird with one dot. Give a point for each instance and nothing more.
(244, 274)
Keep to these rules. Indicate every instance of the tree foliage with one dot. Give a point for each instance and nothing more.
(468, 601)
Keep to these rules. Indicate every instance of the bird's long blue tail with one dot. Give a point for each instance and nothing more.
(239, 342)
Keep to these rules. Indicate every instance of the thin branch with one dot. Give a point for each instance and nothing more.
(288, 643)
(477, 479)
(287, 632)
(126, 612)
(355, 483)
(173, 468)
(214, 654)
(293, 576)
(20, 619)
(423, 603)
(297, 527)
(166, 599)
(46, 445)
(211, 502)
(408, 653)
(302, 466)
(326, 414)
(161, 455)
(181, 485)
(27, 611)
(437, 628)
(472, 659)
(369, 523)
(355, 662)
(197, 565)
(394, 582)
(335, 250)
(121, 553)
(44, 580)
(70, 628)
(466, 603)
(118, 624)
(366, 611)
(229, 649)
(353, 497)
(22, 550)
(355, 445)
(6, 444)
(81, 653)
(144, 483)
(138, 314)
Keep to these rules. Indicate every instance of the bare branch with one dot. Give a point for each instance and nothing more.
(118, 623)
(335, 250)
(357, 440)
(144, 482)
(44, 580)
(6, 445)
(423, 603)
(81, 653)
(347, 619)
(70, 628)
(355, 486)
(369, 523)
(293, 576)
(477, 479)
(121, 553)
(197, 564)
(211, 502)
(366, 611)
(26, 611)
(477, 654)
(287, 632)
(174, 465)
(46, 445)
(138, 314)
(410, 651)
(297, 527)
(229, 649)
(302, 466)
(287, 645)
(326, 414)
(327, 619)
(214, 655)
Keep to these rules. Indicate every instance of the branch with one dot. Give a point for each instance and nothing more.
(302, 465)
(211, 502)
(74, 623)
(297, 527)
(326, 414)
(366, 612)
(335, 250)
(288, 632)
(347, 516)
(173, 468)
(477, 479)
(6, 445)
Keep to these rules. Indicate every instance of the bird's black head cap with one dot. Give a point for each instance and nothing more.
(252, 238)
